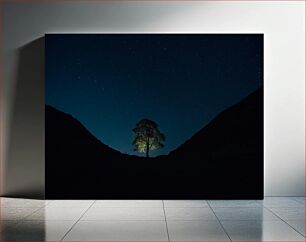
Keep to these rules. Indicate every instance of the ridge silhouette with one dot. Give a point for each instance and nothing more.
(224, 160)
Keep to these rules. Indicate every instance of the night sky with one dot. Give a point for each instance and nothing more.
(109, 82)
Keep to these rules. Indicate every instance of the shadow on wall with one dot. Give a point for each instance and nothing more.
(25, 154)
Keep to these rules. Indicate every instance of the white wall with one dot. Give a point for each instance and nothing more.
(282, 23)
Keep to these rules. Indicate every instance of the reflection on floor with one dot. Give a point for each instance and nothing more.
(274, 219)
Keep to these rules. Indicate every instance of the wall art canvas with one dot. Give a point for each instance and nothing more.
(154, 116)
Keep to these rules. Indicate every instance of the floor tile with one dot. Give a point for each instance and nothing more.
(140, 220)
(21, 203)
(124, 214)
(289, 213)
(185, 203)
(235, 203)
(57, 214)
(281, 202)
(7, 228)
(244, 214)
(38, 230)
(16, 213)
(128, 203)
(70, 203)
(261, 231)
(7, 224)
(196, 231)
(300, 200)
(118, 231)
(298, 225)
(189, 214)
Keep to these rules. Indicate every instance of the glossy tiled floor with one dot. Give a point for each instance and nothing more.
(274, 219)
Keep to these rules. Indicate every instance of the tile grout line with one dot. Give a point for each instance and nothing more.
(77, 221)
(284, 221)
(219, 221)
(166, 221)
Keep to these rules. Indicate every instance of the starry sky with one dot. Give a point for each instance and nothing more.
(109, 82)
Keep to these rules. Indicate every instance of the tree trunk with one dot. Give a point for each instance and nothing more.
(147, 151)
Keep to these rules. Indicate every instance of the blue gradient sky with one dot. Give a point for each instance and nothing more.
(110, 81)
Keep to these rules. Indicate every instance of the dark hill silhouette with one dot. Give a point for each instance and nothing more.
(223, 160)
(226, 156)
(78, 165)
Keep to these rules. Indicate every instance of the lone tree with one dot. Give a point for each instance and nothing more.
(147, 137)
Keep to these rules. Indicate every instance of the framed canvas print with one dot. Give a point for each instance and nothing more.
(151, 116)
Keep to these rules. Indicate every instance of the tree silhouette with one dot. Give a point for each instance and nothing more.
(147, 136)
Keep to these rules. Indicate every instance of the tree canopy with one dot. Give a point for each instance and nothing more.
(147, 136)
